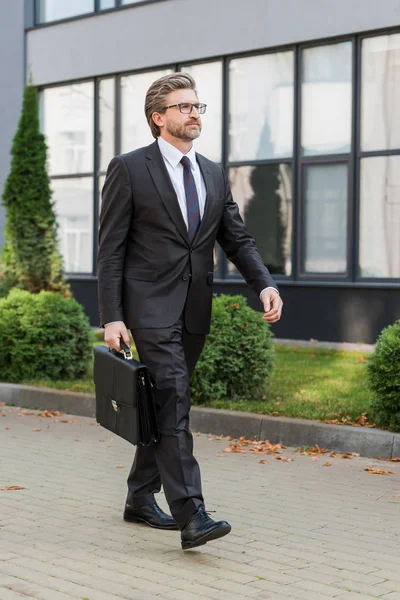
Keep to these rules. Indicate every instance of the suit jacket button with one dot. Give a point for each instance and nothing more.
(185, 277)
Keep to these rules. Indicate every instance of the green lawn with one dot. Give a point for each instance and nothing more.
(312, 383)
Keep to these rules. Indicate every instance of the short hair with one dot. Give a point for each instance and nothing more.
(159, 90)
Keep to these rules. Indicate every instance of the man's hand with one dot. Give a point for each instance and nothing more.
(113, 332)
(272, 305)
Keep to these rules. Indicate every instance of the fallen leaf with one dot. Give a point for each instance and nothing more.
(49, 413)
(66, 421)
(275, 413)
(6, 428)
(327, 464)
(362, 360)
(347, 455)
(376, 471)
(229, 438)
(395, 459)
(2, 403)
(102, 440)
(396, 496)
(264, 462)
(219, 455)
(25, 412)
(284, 458)
(313, 340)
(13, 487)
(37, 429)
(120, 467)
(315, 450)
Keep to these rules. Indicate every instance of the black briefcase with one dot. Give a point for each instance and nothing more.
(124, 396)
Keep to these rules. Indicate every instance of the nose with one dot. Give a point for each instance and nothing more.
(195, 111)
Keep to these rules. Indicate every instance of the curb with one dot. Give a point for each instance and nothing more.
(367, 442)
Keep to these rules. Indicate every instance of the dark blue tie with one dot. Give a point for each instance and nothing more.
(192, 199)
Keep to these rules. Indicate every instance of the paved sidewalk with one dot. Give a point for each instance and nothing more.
(299, 530)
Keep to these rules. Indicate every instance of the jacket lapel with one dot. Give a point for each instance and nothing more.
(210, 197)
(159, 174)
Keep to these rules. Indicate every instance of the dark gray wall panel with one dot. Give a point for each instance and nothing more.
(335, 314)
(11, 84)
(177, 30)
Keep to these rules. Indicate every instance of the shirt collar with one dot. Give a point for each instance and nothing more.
(173, 155)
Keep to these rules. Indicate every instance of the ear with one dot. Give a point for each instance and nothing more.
(158, 119)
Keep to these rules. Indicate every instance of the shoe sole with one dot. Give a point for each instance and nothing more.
(211, 535)
(139, 520)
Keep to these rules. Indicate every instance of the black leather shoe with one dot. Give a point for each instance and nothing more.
(151, 514)
(201, 529)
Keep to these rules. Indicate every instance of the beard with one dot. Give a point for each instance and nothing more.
(185, 132)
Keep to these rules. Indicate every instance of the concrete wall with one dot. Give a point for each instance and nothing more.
(175, 30)
(11, 84)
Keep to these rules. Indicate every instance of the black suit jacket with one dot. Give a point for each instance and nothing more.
(148, 271)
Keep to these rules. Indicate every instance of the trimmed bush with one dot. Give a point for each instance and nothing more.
(384, 377)
(31, 257)
(43, 336)
(238, 355)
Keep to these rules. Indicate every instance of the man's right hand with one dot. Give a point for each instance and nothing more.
(114, 332)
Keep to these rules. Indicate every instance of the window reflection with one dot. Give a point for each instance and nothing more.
(74, 208)
(264, 196)
(68, 117)
(52, 10)
(326, 99)
(135, 131)
(380, 217)
(106, 122)
(208, 77)
(261, 106)
(380, 93)
(325, 218)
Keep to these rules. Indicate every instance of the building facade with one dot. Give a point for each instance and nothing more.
(302, 111)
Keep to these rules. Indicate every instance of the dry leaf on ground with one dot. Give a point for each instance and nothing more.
(327, 464)
(264, 462)
(13, 487)
(348, 455)
(394, 459)
(120, 467)
(37, 429)
(376, 471)
(2, 403)
(49, 413)
(315, 450)
(220, 455)
(6, 428)
(284, 458)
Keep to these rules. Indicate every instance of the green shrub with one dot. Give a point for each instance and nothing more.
(238, 354)
(42, 336)
(31, 257)
(384, 377)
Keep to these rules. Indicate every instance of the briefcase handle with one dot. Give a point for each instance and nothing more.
(125, 349)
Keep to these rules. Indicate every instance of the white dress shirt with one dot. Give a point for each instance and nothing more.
(172, 159)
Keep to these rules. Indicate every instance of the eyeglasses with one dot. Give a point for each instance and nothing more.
(187, 107)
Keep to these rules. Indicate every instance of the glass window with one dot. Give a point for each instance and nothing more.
(74, 208)
(208, 77)
(380, 217)
(68, 117)
(106, 122)
(102, 179)
(52, 10)
(135, 131)
(130, 1)
(261, 107)
(380, 93)
(107, 4)
(326, 99)
(264, 196)
(325, 218)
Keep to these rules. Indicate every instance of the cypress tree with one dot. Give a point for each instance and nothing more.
(31, 259)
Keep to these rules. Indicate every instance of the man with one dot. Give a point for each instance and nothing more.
(163, 208)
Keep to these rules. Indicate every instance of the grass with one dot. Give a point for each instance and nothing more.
(312, 383)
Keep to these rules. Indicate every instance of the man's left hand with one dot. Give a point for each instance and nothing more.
(272, 306)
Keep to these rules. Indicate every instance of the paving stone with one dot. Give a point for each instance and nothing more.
(298, 530)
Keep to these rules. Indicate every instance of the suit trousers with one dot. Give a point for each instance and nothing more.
(170, 354)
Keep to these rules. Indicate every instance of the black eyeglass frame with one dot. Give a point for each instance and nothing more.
(199, 106)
